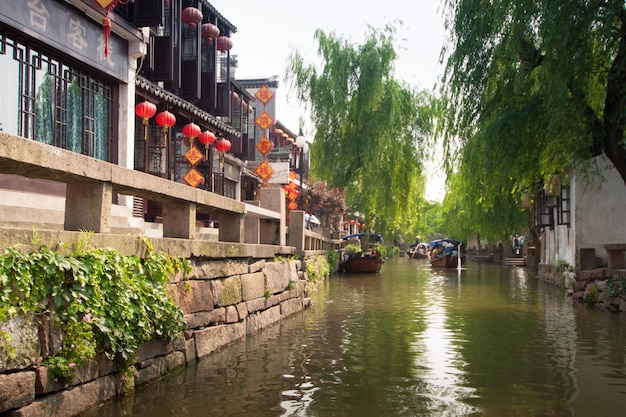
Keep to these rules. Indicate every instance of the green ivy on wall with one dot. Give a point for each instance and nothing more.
(102, 301)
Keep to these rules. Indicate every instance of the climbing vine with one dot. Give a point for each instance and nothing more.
(102, 301)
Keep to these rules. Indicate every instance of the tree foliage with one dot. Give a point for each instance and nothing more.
(532, 87)
(370, 129)
(328, 204)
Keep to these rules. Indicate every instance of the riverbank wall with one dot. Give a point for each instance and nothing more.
(224, 299)
(603, 287)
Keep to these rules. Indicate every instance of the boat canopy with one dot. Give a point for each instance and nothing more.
(447, 244)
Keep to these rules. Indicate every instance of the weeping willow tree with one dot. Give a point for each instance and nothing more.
(532, 87)
(370, 129)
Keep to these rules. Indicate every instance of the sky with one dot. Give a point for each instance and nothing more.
(268, 31)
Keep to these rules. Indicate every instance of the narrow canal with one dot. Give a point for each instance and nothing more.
(412, 341)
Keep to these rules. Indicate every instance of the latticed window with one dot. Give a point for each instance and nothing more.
(52, 101)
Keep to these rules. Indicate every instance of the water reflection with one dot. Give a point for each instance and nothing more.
(439, 366)
(412, 341)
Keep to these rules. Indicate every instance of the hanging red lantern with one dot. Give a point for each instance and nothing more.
(224, 43)
(191, 17)
(209, 31)
(222, 145)
(234, 96)
(165, 119)
(352, 221)
(145, 110)
(206, 138)
(191, 130)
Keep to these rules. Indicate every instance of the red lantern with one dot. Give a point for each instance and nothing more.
(191, 130)
(222, 145)
(166, 120)
(234, 96)
(206, 138)
(191, 17)
(352, 221)
(209, 31)
(145, 110)
(224, 43)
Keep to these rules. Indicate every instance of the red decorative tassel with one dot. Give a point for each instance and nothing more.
(106, 27)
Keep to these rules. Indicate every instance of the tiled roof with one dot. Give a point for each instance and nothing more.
(192, 110)
(222, 19)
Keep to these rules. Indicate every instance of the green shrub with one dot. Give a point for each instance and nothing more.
(102, 301)
(332, 256)
(317, 268)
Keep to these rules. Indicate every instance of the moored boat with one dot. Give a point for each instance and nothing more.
(446, 253)
(360, 263)
(419, 251)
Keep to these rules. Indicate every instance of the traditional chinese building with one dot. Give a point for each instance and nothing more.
(146, 84)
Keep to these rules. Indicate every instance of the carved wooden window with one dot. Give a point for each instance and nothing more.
(57, 102)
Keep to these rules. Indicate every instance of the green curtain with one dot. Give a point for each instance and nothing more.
(44, 113)
(101, 147)
(74, 117)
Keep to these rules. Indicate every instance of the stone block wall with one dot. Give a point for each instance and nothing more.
(588, 286)
(223, 300)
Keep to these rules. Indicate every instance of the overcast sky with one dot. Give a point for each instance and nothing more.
(268, 31)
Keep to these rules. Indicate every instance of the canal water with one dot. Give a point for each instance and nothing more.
(412, 341)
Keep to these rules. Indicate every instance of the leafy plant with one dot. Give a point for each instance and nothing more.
(318, 268)
(591, 295)
(563, 266)
(267, 294)
(332, 256)
(102, 301)
(616, 286)
(352, 248)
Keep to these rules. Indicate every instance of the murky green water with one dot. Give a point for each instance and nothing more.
(411, 341)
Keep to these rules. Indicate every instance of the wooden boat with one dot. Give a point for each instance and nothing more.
(419, 251)
(444, 253)
(362, 263)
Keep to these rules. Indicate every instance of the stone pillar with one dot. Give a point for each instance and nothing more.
(274, 199)
(296, 229)
(252, 226)
(126, 114)
(88, 206)
(231, 227)
(179, 220)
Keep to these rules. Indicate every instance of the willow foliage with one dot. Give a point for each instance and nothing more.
(532, 87)
(370, 129)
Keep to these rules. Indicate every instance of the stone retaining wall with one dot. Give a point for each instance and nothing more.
(589, 286)
(223, 301)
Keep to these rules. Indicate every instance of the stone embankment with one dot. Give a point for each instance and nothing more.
(602, 287)
(223, 301)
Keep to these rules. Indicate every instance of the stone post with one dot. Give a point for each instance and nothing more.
(179, 220)
(252, 226)
(296, 230)
(88, 206)
(274, 199)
